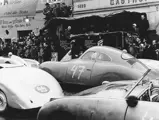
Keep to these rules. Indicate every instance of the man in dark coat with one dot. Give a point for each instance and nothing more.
(47, 11)
(47, 52)
(143, 27)
(7, 49)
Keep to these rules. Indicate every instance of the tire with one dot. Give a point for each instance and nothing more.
(3, 102)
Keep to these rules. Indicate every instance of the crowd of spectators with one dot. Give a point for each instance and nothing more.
(57, 10)
(141, 46)
(144, 49)
(31, 46)
(42, 47)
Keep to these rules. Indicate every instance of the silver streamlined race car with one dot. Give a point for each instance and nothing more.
(13, 59)
(122, 100)
(26, 88)
(95, 65)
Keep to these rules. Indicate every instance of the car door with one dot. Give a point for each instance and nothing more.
(100, 68)
(109, 109)
(143, 111)
(79, 71)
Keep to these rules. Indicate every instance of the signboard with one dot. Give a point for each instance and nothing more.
(65, 44)
(51, 1)
(90, 43)
(81, 5)
(14, 8)
(13, 23)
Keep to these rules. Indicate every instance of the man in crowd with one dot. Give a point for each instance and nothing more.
(75, 49)
(7, 48)
(47, 11)
(154, 48)
(143, 27)
(46, 52)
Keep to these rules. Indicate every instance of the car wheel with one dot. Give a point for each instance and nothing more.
(3, 102)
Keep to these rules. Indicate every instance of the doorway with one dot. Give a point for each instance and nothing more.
(24, 33)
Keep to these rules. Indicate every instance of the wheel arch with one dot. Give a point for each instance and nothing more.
(58, 111)
(10, 95)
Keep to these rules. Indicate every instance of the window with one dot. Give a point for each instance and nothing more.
(89, 55)
(103, 57)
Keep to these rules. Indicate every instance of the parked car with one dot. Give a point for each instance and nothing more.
(95, 65)
(26, 88)
(13, 59)
(120, 100)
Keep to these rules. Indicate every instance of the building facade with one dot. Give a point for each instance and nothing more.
(19, 26)
(96, 7)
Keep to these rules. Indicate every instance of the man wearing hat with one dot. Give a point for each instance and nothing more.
(47, 11)
(135, 28)
(74, 49)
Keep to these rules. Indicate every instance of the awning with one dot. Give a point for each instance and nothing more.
(120, 21)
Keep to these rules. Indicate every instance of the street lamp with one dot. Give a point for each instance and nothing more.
(27, 20)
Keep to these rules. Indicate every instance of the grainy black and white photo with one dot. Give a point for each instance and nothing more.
(79, 59)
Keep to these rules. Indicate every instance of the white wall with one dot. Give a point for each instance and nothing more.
(15, 24)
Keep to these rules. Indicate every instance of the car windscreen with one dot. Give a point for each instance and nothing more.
(104, 87)
(135, 63)
(18, 60)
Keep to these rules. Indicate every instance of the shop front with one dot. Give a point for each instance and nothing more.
(17, 27)
(96, 7)
(19, 17)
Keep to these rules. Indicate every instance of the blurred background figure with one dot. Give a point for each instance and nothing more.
(143, 27)
(47, 11)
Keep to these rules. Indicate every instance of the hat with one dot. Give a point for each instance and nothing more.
(73, 41)
(134, 24)
(47, 4)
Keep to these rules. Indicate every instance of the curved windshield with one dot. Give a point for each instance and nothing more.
(135, 63)
(18, 60)
(126, 56)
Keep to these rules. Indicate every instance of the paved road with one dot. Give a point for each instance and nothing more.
(13, 114)
(11, 118)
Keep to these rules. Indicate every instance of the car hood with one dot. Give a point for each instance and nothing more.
(29, 87)
(19, 59)
(153, 65)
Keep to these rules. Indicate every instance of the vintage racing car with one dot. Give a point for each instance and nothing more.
(95, 65)
(121, 100)
(13, 59)
(26, 88)
(31, 62)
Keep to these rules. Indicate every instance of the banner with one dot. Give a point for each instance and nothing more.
(13, 23)
(15, 8)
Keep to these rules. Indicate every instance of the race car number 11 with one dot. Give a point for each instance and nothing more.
(77, 69)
